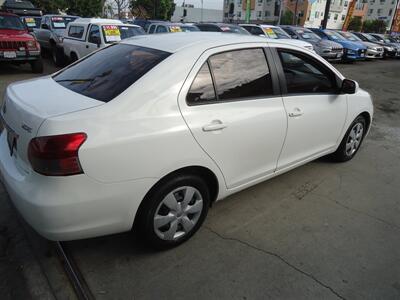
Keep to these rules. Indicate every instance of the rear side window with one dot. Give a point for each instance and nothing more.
(107, 73)
(241, 74)
(202, 89)
(76, 31)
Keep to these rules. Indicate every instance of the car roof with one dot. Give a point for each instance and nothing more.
(177, 41)
(97, 21)
(63, 16)
(259, 25)
(217, 24)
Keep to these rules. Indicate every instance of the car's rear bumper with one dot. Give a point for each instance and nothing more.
(72, 207)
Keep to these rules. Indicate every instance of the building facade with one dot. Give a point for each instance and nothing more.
(262, 11)
(337, 14)
(381, 10)
(196, 14)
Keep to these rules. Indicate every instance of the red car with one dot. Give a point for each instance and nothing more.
(17, 45)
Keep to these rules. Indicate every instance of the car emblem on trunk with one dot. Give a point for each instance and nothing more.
(26, 128)
(12, 138)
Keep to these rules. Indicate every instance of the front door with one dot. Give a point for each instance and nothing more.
(235, 114)
(316, 110)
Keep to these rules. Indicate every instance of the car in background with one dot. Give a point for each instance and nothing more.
(189, 27)
(21, 8)
(387, 40)
(17, 45)
(327, 49)
(353, 51)
(51, 33)
(374, 50)
(390, 50)
(32, 22)
(274, 32)
(85, 35)
(221, 27)
(144, 23)
(101, 156)
(164, 27)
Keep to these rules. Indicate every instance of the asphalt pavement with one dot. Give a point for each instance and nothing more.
(321, 231)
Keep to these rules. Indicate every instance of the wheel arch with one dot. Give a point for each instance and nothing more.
(203, 172)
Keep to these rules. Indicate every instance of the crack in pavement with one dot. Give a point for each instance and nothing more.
(311, 276)
(360, 212)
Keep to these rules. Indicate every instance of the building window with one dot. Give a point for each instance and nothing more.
(346, 3)
(336, 17)
(239, 14)
(259, 14)
(379, 11)
(370, 11)
(390, 11)
(260, 1)
(317, 14)
(343, 17)
(266, 13)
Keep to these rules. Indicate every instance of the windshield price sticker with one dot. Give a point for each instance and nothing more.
(270, 33)
(30, 22)
(175, 29)
(112, 33)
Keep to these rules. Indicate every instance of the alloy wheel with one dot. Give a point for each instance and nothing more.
(354, 138)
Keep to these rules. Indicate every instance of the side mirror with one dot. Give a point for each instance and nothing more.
(349, 86)
(45, 26)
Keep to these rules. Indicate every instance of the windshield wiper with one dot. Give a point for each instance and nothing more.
(104, 74)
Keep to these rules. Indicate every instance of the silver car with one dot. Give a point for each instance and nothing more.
(327, 49)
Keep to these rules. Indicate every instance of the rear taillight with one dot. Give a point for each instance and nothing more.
(56, 155)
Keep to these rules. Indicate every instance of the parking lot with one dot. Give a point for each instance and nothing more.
(322, 231)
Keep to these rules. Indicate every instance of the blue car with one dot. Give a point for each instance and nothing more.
(352, 50)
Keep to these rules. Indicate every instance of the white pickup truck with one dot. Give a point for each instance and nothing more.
(84, 36)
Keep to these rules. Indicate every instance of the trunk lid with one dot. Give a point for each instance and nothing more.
(29, 103)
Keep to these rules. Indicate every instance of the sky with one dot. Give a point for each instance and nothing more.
(214, 4)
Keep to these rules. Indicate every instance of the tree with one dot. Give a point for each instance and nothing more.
(155, 9)
(120, 5)
(375, 26)
(355, 24)
(83, 8)
(50, 6)
(287, 18)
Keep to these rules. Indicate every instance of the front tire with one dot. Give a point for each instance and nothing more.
(351, 141)
(57, 55)
(173, 211)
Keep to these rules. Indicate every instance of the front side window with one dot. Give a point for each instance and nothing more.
(241, 74)
(76, 32)
(152, 27)
(108, 72)
(202, 89)
(305, 75)
(161, 29)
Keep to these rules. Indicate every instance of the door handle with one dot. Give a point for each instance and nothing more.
(297, 112)
(214, 125)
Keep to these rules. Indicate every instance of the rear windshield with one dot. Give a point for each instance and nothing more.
(107, 73)
(31, 22)
(115, 33)
(61, 22)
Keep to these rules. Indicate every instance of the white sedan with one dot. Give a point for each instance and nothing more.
(147, 133)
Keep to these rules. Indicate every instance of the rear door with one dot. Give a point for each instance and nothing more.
(316, 110)
(232, 106)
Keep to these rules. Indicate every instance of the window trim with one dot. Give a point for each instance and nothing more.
(282, 78)
(271, 66)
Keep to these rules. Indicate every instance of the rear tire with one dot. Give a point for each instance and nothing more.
(37, 66)
(57, 55)
(173, 211)
(351, 141)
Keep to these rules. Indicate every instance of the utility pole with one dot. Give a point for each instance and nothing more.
(248, 6)
(201, 10)
(295, 13)
(280, 11)
(326, 14)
